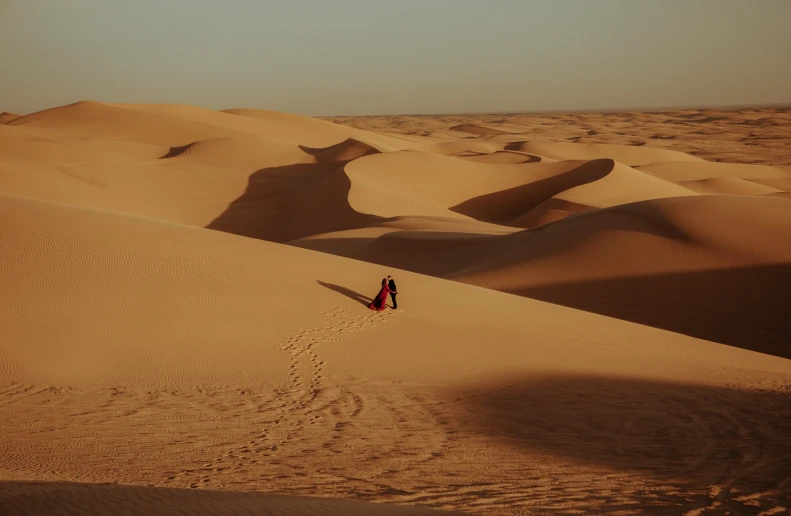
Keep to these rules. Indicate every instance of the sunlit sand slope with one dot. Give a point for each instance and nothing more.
(184, 313)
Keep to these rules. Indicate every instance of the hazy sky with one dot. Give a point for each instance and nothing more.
(327, 57)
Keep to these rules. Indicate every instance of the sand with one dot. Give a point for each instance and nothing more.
(583, 326)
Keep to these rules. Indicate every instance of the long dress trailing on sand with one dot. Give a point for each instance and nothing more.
(380, 301)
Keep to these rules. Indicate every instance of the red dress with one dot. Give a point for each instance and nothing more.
(380, 301)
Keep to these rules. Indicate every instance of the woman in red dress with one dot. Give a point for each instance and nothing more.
(380, 301)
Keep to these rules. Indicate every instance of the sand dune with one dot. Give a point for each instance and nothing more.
(100, 257)
(783, 184)
(477, 129)
(163, 295)
(6, 117)
(728, 186)
(348, 150)
(137, 327)
(423, 179)
(247, 152)
(656, 262)
(97, 120)
(695, 171)
(663, 264)
(749, 135)
(177, 125)
(505, 158)
(491, 192)
(283, 127)
(428, 245)
(622, 185)
(628, 155)
(32, 150)
(311, 132)
(259, 180)
(551, 210)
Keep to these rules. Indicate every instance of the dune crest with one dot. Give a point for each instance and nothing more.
(477, 130)
(660, 263)
(348, 150)
(628, 155)
(6, 117)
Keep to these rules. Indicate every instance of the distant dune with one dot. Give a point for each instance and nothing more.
(591, 315)
(6, 117)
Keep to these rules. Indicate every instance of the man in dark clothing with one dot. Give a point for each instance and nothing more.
(391, 284)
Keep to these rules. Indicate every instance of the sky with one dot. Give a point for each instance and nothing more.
(366, 57)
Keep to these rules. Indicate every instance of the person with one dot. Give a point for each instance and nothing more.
(380, 301)
(392, 286)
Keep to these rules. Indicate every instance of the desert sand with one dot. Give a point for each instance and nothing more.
(593, 312)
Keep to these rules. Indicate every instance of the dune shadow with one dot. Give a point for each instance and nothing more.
(72, 499)
(347, 150)
(684, 438)
(436, 253)
(477, 130)
(743, 307)
(506, 205)
(293, 201)
(176, 151)
(351, 294)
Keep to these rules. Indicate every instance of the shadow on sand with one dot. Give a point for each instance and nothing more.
(293, 201)
(743, 307)
(503, 206)
(351, 294)
(685, 440)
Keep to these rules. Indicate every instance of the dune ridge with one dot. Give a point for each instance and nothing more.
(6, 117)
(628, 155)
(591, 318)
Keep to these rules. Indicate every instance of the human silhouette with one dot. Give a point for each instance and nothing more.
(380, 301)
(393, 291)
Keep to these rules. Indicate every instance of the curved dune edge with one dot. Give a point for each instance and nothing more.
(348, 150)
(477, 130)
(629, 155)
(505, 157)
(728, 186)
(782, 184)
(180, 125)
(90, 119)
(241, 153)
(96, 257)
(623, 185)
(247, 145)
(161, 273)
(289, 202)
(699, 170)
(6, 117)
(415, 184)
(508, 205)
(661, 263)
(668, 266)
(251, 175)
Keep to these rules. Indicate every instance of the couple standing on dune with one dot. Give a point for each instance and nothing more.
(380, 301)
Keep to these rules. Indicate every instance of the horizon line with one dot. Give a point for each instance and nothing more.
(633, 109)
(643, 109)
